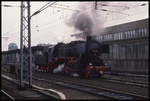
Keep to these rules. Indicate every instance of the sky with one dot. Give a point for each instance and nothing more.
(49, 26)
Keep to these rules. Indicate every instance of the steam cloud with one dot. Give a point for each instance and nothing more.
(86, 21)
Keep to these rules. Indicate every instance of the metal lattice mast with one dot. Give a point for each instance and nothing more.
(25, 45)
(96, 4)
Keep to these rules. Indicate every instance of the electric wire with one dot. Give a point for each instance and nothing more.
(41, 9)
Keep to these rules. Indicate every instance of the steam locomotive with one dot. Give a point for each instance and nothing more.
(77, 58)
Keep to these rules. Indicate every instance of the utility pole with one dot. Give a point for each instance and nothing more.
(25, 45)
(96, 5)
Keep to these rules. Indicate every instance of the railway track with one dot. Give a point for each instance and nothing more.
(141, 78)
(121, 81)
(90, 88)
(129, 87)
(131, 80)
(48, 93)
(127, 74)
(69, 93)
(127, 82)
(7, 96)
(109, 93)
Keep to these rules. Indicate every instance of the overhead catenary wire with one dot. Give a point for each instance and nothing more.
(44, 25)
(46, 5)
(122, 6)
(66, 8)
(113, 11)
(41, 9)
(112, 5)
(50, 22)
(47, 21)
(125, 6)
(59, 13)
(10, 6)
(56, 19)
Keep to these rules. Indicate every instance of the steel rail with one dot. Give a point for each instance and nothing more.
(61, 95)
(124, 82)
(121, 81)
(127, 74)
(8, 95)
(131, 94)
(95, 90)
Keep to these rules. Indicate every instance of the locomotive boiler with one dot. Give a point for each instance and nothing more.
(77, 58)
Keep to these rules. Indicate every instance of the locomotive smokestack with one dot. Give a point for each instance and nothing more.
(88, 39)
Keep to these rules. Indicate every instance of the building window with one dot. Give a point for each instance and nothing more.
(104, 37)
(108, 36)
(145, 31)
(133, 33)
(117, 34)
(137, 32)
(129, 34)
(97, 38)
(126, 35)
(142, 32)
(120, 35)
(113, 36)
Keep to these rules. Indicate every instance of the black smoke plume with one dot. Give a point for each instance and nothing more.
(86, 21)
(83, 23)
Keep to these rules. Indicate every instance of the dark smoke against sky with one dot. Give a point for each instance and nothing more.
(84, 23)
(86, 20)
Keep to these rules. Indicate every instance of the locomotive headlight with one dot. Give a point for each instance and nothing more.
(101, 72)
(90, 64)
(106, 64)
